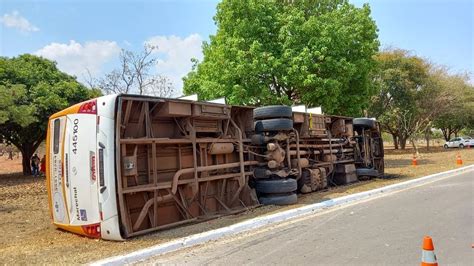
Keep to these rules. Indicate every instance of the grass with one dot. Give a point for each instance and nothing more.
(28, 237)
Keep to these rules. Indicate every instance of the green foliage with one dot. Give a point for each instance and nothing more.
(400, 80)
(436, 134)
(275, 52)
(14, 106)
(413, 94)
(460, 114)
(32, 89)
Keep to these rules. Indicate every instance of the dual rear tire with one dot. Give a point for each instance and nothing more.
(280, 191)
(273, 118)
(277, 191)
(272, 111)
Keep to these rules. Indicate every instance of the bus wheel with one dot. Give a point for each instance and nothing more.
(365, 123)
(273, 186)
(276, 124)
(279, 199)
(273, 111)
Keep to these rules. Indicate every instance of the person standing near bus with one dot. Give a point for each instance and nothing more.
(43, 165)
(35, 161)
(10, 152)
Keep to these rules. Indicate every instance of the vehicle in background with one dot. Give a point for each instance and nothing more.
(459, 142)
(119, 166)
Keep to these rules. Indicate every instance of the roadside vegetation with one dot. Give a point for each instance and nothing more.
(318, 54)
(32, 89)
(413, 96)
(328, 55)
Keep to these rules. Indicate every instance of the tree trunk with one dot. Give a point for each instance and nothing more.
(395, 141)
(413, 143)
(27, 151)
(447, 133)
(427, 138)
(403, 142)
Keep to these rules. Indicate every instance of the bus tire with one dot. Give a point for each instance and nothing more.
(366, 172)
(276, 186)
(276, 124)
(365, 123)
(281, 199)
(273, 111)
(260, 172)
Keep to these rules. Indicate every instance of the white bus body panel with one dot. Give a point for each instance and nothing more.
(110, 228)
(81, 169)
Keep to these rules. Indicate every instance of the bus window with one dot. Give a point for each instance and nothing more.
(56, 136)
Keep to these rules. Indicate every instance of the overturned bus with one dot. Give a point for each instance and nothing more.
(119, 166)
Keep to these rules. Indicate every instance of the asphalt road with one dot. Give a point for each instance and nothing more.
(384, 230)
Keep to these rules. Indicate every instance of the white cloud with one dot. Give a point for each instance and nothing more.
(174, 56)
(75, 58)
(15, 20)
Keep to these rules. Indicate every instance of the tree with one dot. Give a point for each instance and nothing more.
(314, 52)
(460, 114)
(31, 90)
(412, 93)
(397, 78)
(134, 76)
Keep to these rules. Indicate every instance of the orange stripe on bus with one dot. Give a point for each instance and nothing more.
(72, 228)
(70, 110)
(48, 169)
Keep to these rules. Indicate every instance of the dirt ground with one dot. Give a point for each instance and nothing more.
(28, 237)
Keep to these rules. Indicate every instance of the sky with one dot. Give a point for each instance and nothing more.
(86, 36)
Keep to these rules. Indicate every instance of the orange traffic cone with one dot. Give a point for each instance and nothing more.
(458, 159)
(414, 162)
(428, 258)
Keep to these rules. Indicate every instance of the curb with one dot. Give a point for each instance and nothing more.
(259, 222)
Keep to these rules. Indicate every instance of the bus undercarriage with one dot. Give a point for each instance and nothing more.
(180, 161)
